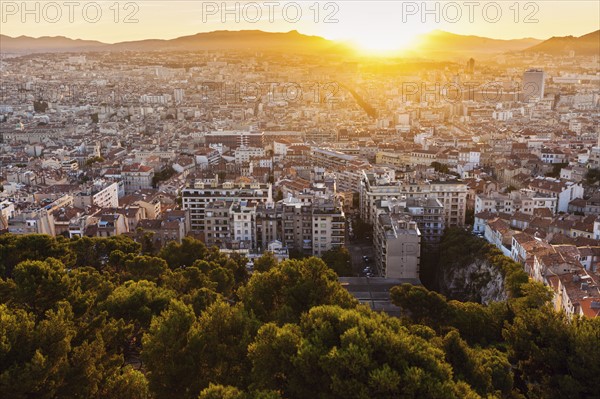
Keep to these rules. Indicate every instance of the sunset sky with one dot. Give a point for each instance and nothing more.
(375, 25)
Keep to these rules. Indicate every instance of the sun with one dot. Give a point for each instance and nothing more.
(382, 42)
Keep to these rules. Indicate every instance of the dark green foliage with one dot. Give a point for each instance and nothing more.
(440, 167)
(40, 106)
(184, 354)
(93, 160)
(351, 353)
(163, 175)
(554, 358)
(102, 318)
(486, 370)
(338, 260)
(555, 172)
(265, 263)
(229, 392)
(184, 254)
(39, 286)
(47, 358)
(137, 302)
(96, 252)
(15, 249)
(551, 356)
(291, 288)
(592, 176)
(141, 267)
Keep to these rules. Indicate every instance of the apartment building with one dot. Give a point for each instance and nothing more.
(216, 217)
(552, 156)
(243, 223)
(173, 225)
(428, 213)
(423, 157)
(137, 177)
(328, 227)
(296, 224)
(524, 201)
(311, 228)
(563, 191)
(206, 157)
(111, 224)
(381, 185)
(392, 158)
(347, 168)
(101, 194)
(245, 154)
(307, 227)
(234, 139)
(269, 226)
(196, 198)
(397, 246)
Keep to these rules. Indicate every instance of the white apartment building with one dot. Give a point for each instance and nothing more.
(470, 157)
(203, 192)
(101, 194)
(524, 201)
(156, 99)
(328, 229)
(207, 157)
(245, 154)
(377, 186)
(243, 226)
(563, 191)
(553, 156)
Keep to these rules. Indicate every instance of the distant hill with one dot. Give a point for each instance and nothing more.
(439, 44)
(26, 44)
(436, 44)
(292, 41)
(583, 45)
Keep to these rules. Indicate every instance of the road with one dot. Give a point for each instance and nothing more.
(359, 248)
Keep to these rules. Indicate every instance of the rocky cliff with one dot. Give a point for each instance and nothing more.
(478, 281)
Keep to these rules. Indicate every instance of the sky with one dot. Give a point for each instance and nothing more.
(374, 25)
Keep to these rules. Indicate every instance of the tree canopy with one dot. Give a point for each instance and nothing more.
(102, 318)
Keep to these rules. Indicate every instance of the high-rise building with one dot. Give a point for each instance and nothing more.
(178, 95)
(533, 84)
(471, 66)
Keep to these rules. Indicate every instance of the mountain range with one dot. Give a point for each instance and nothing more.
(583, 45)
(436, 44)
(26, 44)
(440, 44)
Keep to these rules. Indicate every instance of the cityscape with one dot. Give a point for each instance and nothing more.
(275, 200)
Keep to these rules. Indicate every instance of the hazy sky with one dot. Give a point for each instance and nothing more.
(373, 24)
